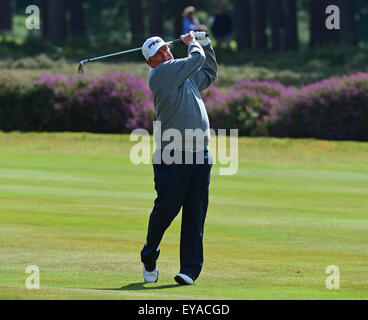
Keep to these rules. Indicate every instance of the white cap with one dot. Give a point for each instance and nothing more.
(151, 45)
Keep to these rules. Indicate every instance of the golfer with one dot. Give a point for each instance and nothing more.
(176, 86)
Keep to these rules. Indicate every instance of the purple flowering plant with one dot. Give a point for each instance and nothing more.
(112, 102)
(334, 108)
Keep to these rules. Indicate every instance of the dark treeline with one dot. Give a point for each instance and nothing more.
(258, 24)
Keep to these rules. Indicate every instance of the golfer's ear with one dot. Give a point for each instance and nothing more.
(148, 62)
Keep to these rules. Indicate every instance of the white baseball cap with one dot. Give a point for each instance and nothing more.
(151, 45)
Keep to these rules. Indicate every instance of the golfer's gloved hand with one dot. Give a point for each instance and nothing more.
(201, 38)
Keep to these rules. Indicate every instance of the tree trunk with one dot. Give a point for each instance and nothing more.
(260, 24)
(136, 21)
(317, 14)
(348, 31)
(329, 36)
(156, 20)
(292, 26)
(243, 24)
(320, 35)
(278, 30)
(77, 24)
(43, 14)
(55, 21)
(6, 16)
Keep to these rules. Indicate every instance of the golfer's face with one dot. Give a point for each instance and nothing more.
(163, 54)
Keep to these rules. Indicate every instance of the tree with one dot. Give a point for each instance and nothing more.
(361, 15)
(320, 35)
(316, 22)
(278, 30)
(54, 19)
(260, 25)
(77, 18)
(348, 30)
(156, 20)
(243, 24)
(329, 36)
(292, 25)
(136, 20)
(6, 16)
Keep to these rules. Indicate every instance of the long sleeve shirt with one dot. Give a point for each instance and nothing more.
(176, 86)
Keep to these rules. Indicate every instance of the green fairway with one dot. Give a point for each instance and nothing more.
(75, 206)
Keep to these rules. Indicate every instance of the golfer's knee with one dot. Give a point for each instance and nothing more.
(164, 214)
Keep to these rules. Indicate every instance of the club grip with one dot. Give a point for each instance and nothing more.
(179, 40)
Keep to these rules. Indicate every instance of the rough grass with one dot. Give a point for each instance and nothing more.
(74, 205)
(290, 68)
(229, 74)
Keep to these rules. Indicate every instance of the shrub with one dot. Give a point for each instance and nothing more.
(113, 102)
(41, 61)
(335, 108)
(27, 108)
(268, 88)
(217, 109)
(244, 106)
(10, 103)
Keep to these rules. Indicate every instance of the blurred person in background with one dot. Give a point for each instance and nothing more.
(222, 26)
(190, 20)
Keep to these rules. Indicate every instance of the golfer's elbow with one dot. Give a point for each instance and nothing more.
(203, 57)
(214, 76)
(199, 58)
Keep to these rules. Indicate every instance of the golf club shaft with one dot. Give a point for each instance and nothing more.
(126, 51)
(122, 52)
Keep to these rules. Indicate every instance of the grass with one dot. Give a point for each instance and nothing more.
(75, 206)
(29, 69)
(290, 68)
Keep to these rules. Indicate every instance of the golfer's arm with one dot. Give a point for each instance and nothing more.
(175, 72)
(208, 72)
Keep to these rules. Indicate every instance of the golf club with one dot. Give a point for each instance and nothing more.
(81, 64)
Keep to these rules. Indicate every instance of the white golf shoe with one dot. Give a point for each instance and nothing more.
(183, 279)
(150, 276)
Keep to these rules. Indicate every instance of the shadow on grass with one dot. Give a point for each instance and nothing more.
(142, 286)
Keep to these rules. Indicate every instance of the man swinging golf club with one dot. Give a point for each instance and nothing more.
(176, 86)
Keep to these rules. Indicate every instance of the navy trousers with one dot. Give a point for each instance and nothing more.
(180, 186)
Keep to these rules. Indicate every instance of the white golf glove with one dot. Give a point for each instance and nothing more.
(201, 38)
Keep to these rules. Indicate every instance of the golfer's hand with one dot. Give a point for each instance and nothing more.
(187, 38)
(201, 38)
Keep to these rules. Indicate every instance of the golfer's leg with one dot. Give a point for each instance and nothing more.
(194, 215)
(171, 183)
